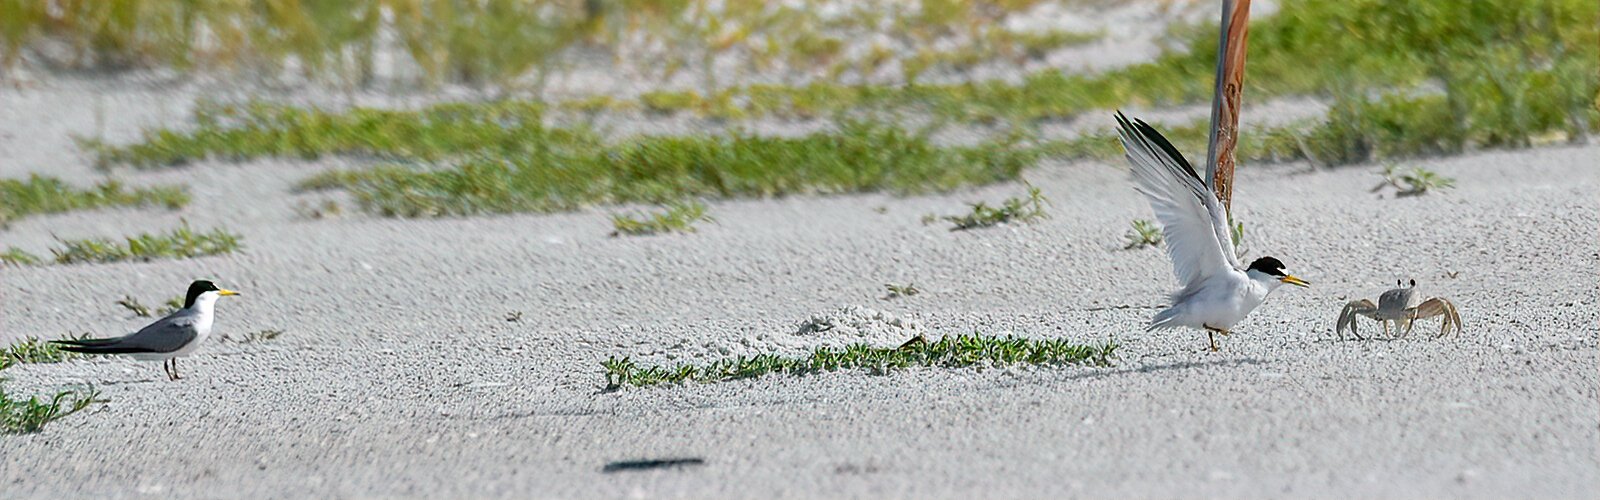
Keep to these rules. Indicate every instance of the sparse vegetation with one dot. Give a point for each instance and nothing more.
(33, 350)
(23, 416)
(1237, 233)
(1436, 79)
(898, 291)
(260, 129)
(474, 43)
(44, 195)
(949, 352)
(255, 336)
(18, 257)
(572, 172)
(1415, 182)
(317, 211)
(181, 243)
(133, 306)
(1012, 210)
(138, 309)
(1143, 234)
(679, 217)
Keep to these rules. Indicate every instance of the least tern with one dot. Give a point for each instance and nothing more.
(1217, 291)
(178, 334)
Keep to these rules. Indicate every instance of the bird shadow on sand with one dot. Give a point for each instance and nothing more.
(651, 464)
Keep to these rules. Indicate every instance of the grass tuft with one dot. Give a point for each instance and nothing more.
(255, 336)
(260, 129)
(181, 243)
(566, 174)
(18, 257)
(1144, 234)
(897, 291)
(46, 195)
(24, 416)
(138, 309)
(679, 218)
(1236, 232)
(1012, 210)
(33, 350)
(1415, 182)
(949, 352)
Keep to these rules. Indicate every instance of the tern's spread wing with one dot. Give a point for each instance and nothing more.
(165, 335)
(1192, 220)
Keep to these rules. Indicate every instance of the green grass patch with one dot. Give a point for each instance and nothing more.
(24, 416)
(180, 243)
(1414, 182)
(1025, 209)
(138, 309)
(1494, 59)
(898, 291)
(33, 350)
(1404, 78)
(678, 218)
(474, 43)
(18, 257)
(1143, 234)
(505, 160)
(259, 130)
(254, 337)
(949, 352)
(46, 195)
(555, 175)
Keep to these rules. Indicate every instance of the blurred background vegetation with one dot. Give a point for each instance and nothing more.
(1400, 78)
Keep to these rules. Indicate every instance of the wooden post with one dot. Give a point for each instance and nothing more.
(1225, 100)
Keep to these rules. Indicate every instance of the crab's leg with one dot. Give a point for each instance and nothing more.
(1436, 307)
(1455, 315)
(1451, 318)
(1347, 317)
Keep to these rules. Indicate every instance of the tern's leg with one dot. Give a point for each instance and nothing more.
(166, 366)
(1211, 333)
(175, 375)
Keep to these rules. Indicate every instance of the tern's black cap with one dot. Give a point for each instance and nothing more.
(197, 288)
(1268, 265)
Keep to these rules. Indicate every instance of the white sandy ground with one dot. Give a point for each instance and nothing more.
(400, 377)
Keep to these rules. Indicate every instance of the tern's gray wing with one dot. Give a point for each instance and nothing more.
(1192, 220)
(165, 335)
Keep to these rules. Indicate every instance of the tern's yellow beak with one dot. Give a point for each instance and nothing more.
(1290, 279)
(226, 292)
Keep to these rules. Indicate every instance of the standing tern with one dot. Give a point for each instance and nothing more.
(1217, 291)
(178, 334)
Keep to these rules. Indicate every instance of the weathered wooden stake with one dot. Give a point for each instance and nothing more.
(1225, 100)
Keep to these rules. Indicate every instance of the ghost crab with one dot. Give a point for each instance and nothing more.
(1401, 307)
